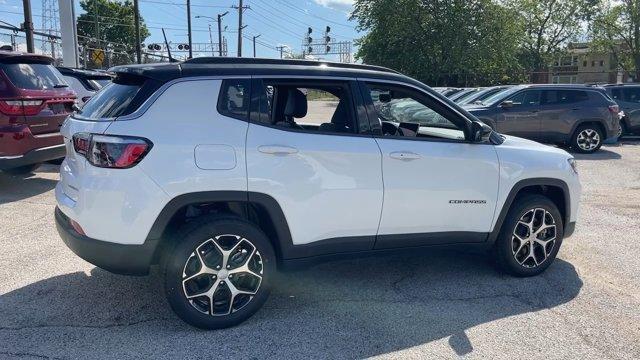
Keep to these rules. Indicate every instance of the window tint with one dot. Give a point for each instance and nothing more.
(404, 112)
(324, 106)
(553, 97)
(33, 76)
(235, 98)
(631, 94)
(526, 98)
(121, 97)
(616, 94)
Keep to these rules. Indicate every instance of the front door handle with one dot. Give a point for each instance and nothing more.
(404, 155)
(277, 149)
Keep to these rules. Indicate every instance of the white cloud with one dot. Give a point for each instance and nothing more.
(340, 5)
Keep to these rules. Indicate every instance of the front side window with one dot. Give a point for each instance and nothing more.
(323, 106)
(526, 98)
(406, 112)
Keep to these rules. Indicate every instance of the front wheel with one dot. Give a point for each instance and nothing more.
(587, 139)
(530, 237)
(218, 274)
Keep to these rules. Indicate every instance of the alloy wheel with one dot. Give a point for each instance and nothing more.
(222, 275)
(534, 237)
(588, 139)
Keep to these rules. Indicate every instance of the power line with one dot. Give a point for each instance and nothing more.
(296, 8)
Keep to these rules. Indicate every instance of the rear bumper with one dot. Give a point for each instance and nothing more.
(33, 157)
(115, 258)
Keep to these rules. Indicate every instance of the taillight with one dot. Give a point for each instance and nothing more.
(21, 107)
(109, 151)
(614, 108)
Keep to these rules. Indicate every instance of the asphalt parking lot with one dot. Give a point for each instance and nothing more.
(441, 305)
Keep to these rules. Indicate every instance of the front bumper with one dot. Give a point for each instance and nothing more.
(33, 157)
(115, 258)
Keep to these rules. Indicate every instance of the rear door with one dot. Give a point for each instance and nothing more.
(306, 149)
(560, 109)
(522, 117)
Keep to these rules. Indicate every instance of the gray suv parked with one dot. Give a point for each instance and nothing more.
(628, 97)
(580, 116)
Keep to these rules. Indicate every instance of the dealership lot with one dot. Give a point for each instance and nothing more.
(443, 304)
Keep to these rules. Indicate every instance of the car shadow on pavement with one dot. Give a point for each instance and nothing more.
(19, 187)
(601, 154)
(346, 309)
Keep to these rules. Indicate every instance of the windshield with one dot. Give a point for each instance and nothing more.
(33, 76)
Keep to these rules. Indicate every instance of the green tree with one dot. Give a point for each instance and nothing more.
(617, 30)
(109, 25)
(549, 25)
(441, 42)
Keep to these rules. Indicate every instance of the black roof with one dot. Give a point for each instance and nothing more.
(220, 66)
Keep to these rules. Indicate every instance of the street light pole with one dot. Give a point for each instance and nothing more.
(220, 32)
(254, 44)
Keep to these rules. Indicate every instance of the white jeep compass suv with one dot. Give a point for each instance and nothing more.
(222, 170)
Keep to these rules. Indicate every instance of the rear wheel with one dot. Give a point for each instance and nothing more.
(530, 237)
(587, 139)
(23, 170)
(218, 274)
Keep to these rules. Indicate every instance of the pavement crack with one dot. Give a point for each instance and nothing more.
(79, 326)
(25, 354)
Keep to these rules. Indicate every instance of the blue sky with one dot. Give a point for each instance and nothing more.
(279, 22)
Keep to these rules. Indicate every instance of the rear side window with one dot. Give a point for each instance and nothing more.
(552, 97)
(33, 76)
(122, 97)
(234, 98)
(616, 94)
(631, 94)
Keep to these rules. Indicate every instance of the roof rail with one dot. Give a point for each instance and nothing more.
(263, 61)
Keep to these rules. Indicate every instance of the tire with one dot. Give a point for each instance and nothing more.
(209, 235)
(512, 255)
(587, 139)
(23, 170)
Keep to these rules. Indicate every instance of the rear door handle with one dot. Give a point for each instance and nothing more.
(277, 149)
(404, 155)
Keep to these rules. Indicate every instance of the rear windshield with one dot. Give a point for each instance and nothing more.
(33, 76)
(120, 97)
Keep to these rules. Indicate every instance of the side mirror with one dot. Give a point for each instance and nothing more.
(480, 131)
(506, 104)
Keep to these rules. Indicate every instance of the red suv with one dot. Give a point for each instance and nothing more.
(34, 101)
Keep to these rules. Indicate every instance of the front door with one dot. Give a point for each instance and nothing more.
(305, 151)
(438, 187)
(522, 117)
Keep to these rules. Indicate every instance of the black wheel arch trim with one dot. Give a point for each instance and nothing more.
(515, 190)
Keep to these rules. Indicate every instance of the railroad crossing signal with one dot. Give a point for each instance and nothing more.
(97, 56)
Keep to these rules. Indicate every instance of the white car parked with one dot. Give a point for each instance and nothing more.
(221, 170)
(85, 83)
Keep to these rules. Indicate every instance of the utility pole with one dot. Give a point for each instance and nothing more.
(220, 32)
(281, 48)
(28, 25)
(254, 44)
(241, 9)
(189, 27)
(136, 19)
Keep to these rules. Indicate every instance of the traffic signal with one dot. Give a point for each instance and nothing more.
(154, 47)
(183, 46)
(328, 48)
(310, 49)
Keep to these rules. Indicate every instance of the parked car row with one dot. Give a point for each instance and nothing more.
(35, 98)
(582, 117)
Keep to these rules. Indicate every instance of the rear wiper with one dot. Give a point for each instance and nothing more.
(58, 86)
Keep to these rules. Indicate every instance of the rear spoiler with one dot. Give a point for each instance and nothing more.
(13, 58)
